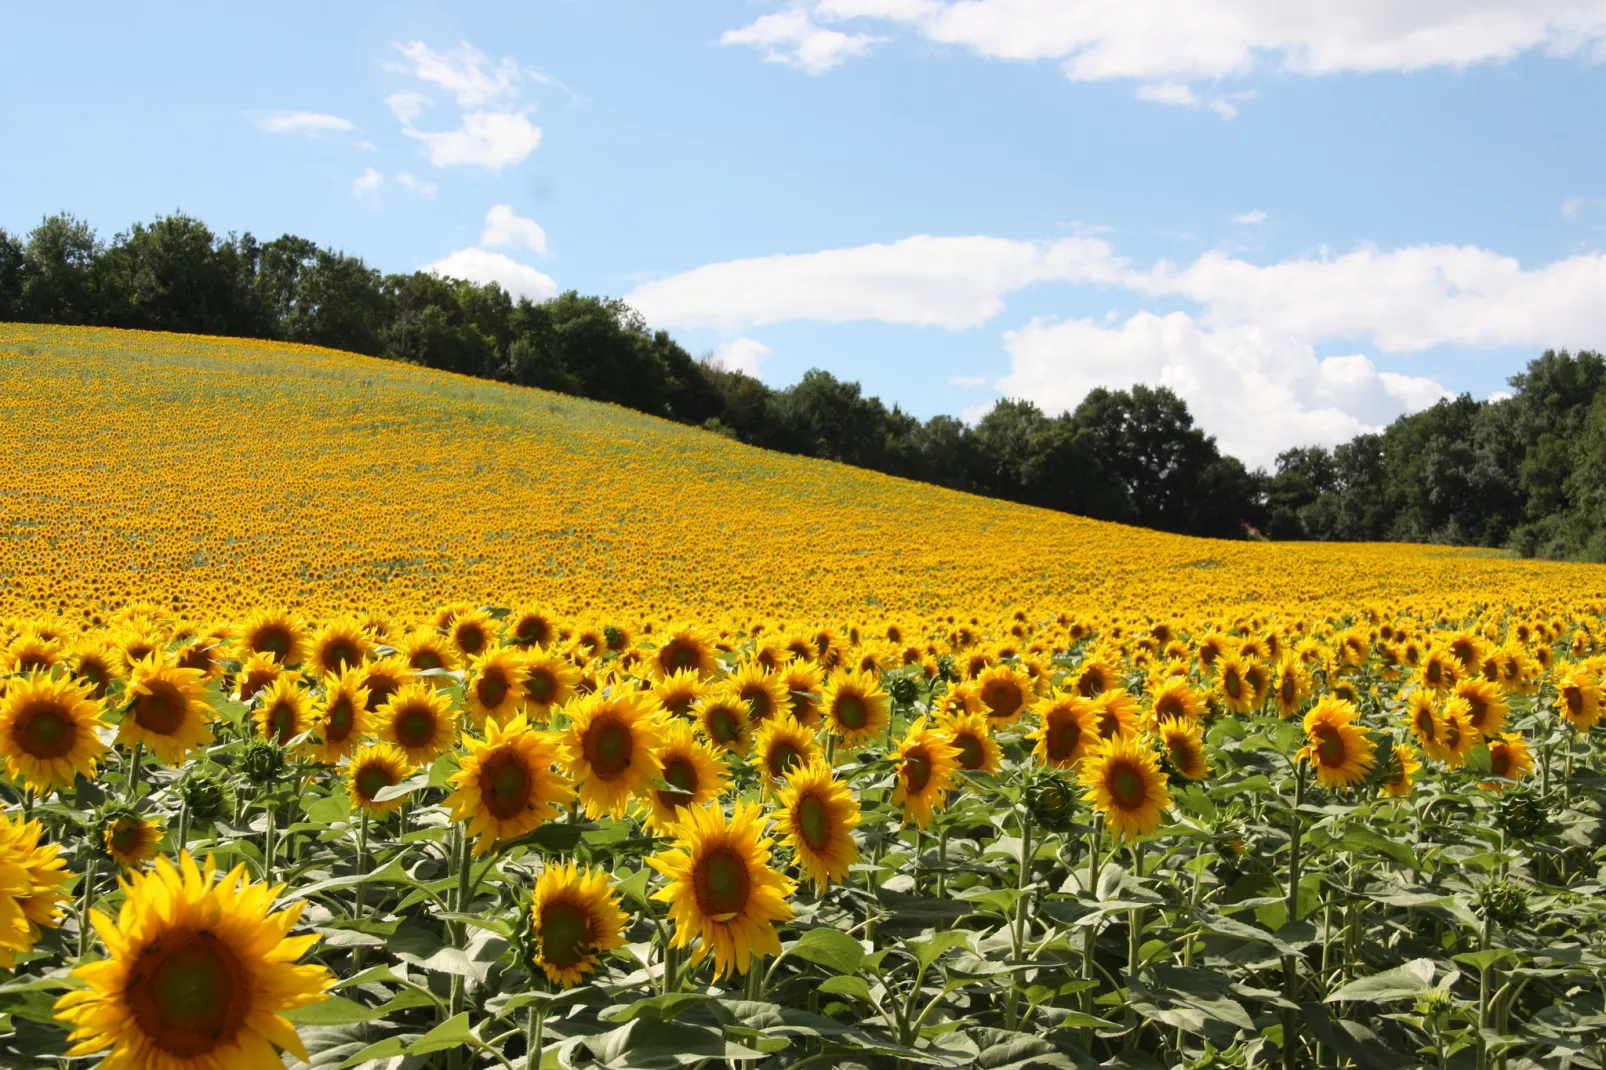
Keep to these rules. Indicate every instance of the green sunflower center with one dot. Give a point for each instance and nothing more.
(782, 757)
(188, 995)
(340, 653)
(124, 836)
(371, 780)
(505, 784)
(917, 769)
(471, 639)
(161, 710)
(683, 775)
(1330, 749)
(723, 883)
(415, 727)
(814, 821)
(45, 731)
(340, 720)
(851, 712)
(427, 659)
(274, 639)
(758, 702)
(609, 747)
(565, 934)
(492, 687)
(724, 726)
(971, 753)
(542, 685)
(1125, 785)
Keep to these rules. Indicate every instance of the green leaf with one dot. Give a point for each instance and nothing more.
(452, 1033)
(388, 1048)
(831, 948)
(1482, 960)
(845, 985)
(327, 811)
(334, 1010)
(401, 788)
(1402, 982)
(933, 947)
(662, 1008)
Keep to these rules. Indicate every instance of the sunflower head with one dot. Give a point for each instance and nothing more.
(694, 771)
(373, 768)
(549, 681)
(803, 680)
(506, 785)
(1123, 781)
(1487, 708)
(256, 673)
(1003, 694)
(972, 737)
(495, 685)
(574, 919)
(383, 678)
(48, 727)
(341, 716)
(1113, 713)
(1509, 758)
(419, 720)
(856, 708)
(1065, 732)
(1403, 767)
(682, 650)
(612, 743)
(128, 839)
(927, 762)
(167, 710)
(32, 895)
(765, 692)
(1182, 745)
(283, 635)
(1175, 698)
(426, 650)
(339, 646)
(1336, 747)
(817, 814)
(532, 627)
(677, 692)
(782, 744)
(284, 710)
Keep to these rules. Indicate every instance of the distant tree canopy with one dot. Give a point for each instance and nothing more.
(1528, 472)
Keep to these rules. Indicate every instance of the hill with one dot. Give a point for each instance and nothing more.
(214, 474)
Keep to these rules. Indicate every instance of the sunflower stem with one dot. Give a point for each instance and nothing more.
(133, 773)
(465, 868)
(84, 926)
(1290, 1023)
(268, 844)
(532, 1057)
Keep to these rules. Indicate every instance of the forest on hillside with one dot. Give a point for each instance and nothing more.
(1526, 472)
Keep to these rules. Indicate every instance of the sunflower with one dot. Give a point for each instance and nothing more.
(201, 652)
(677, 692)
(722, 892)
(574, 917)
(782, 744)
(682, 650)
(281, 634)
(494, 686)
(1065, 732)
(1290, 685)
(1405, 767)
(1124, 782)
(531, 627)
(427, 651)
(926, 763)
(167, 710)
(856, 708)
(97, 663)
(32, 876)
(1578, 699)
(341, 716)
(1467, 649)
(284, 712)
(1438, 670)
(1095, 677)
(419, 720)
(137, 640)
(803, 680)
(256, 673)
(695, 771)
(1211, 647)
(764, 692)
(1336, 745)
(612, 746)
(131, 841)
(1509, 758)
(1236, 692)
(341, 645)
(1456, 735)
(1114, 713)
(506, 785)
(1182, 743)
(29, 652)
(1423, 720)
(196, 973)
(373, 768)
(816, 816)
(549, 681)
(1004, 694)
(472, 632)
(383, 678)
(723, 719)
(957, 701)
(48, 727)
(1176, 698)
(972, 736)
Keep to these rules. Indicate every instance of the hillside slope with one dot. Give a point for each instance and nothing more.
(212, 474)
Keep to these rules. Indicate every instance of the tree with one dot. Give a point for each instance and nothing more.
(61, 276)
(12, 261)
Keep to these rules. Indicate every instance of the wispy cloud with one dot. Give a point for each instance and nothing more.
(307, 123)
(367, 184)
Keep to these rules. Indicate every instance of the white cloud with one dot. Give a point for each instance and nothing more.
(487, 139)
(741, 355)
(310, 123)
(464, 71)
(1191, 40)
(793, 38)
(482, 266)
(1169, 93)
(967, 382)
(407, 180)
(368, 183)
(945, 282)
(1258, 392)
(504, 227)
(1571, 206)
(1500, 395)
(407, 106)
(1250, 218)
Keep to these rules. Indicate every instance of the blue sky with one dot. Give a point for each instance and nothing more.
(1306, 218)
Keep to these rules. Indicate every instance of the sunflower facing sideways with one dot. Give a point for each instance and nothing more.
(612, 743)
(926, 763)
(722, 893)
(856, 708)
(1423, 720)
(782, 744)
(803, 680)
(816, 815)
(340, 716)
(972, 736)
(677, 692)
(1124, 782)
(1509, 758)
(1176, 698)
(574, 918)
(506, 785)
(131, 841)
(695, 771)
(1456, 732)
(197, 972)
(47, 731)
(31, 893)
(1182, 743)
(1487, 708)
(1335, 745)
(1405, 767)
(419, 720)
(1065, 731)
(373, 768)
(167, 710)
(1114, 713)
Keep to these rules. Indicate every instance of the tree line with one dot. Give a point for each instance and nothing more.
(1526, 472)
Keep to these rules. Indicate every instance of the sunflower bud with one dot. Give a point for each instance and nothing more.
(1051, 801)
(261, 761)
(203, 797)
(1523, 813)
(1503, 902)
(903, 690)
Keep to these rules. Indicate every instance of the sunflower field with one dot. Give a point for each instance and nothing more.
(353, 715)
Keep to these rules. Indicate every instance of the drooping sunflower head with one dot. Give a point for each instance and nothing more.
(1182, 744)
(494, 688)
(1124, 782)
(817, 816)
(373, 768)
(803, 680)
(167, 710)
(780, 745)
(574, 919)
(284, 710)
(506, 784)
(197, 974)
(1335, 746)
(926, 762)
(1404, 768)
(419, 720)
(48, 728)
(722, 893)
(272, 632)
(695, 771)
(130, 840)
(532, 627)
(681, 650)
(856, 708)
(612, 742)
(764, 692)
(1065, 732)
(341, 716)
(340, 645)
(972, 737)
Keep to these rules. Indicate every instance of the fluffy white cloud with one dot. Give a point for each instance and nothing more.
(310, 123)
(368, 183)
(407, 106)
(505, 227)
(483, 265)
(945, 282)
(793, 38)
(741, 355)
(464, 71)
(490, 139)
(1257, 391)
(407, 180)
(1250, 218)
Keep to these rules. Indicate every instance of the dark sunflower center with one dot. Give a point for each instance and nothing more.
(722, 883)
(492, 687)
(98, 675)
(814, 821)
(1001, 697)
(161, 710)
(724, 725)
(1062, 740)
(471, 638)
(415, 727)
(531, 631)
(1092, 683)
(426, 659)
(917, 769)
(125, 837)
(188, 995)
(282, 722)
(380, 688)
(1424, 724)
(1109, 725)
(340, 653)
(677, 704)
(565, 934)
(1329, 745)
(1573, 696)
(1479, 711)
(683, 775)
(1181, 752)
(1231, 684)
(505, 783)
(1290, 689)
(758, 701)
(783, 756)
(254, 682)
(542, 686)
(274, 639)
(372, 779)
(678, 655)
(805, 707)
(1500, 761)
(138, 650)
(851, 712)
(1433, 672)
(44, 730)
(609, 745)
(340, 720)
(1125, 785)
(971, 753)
